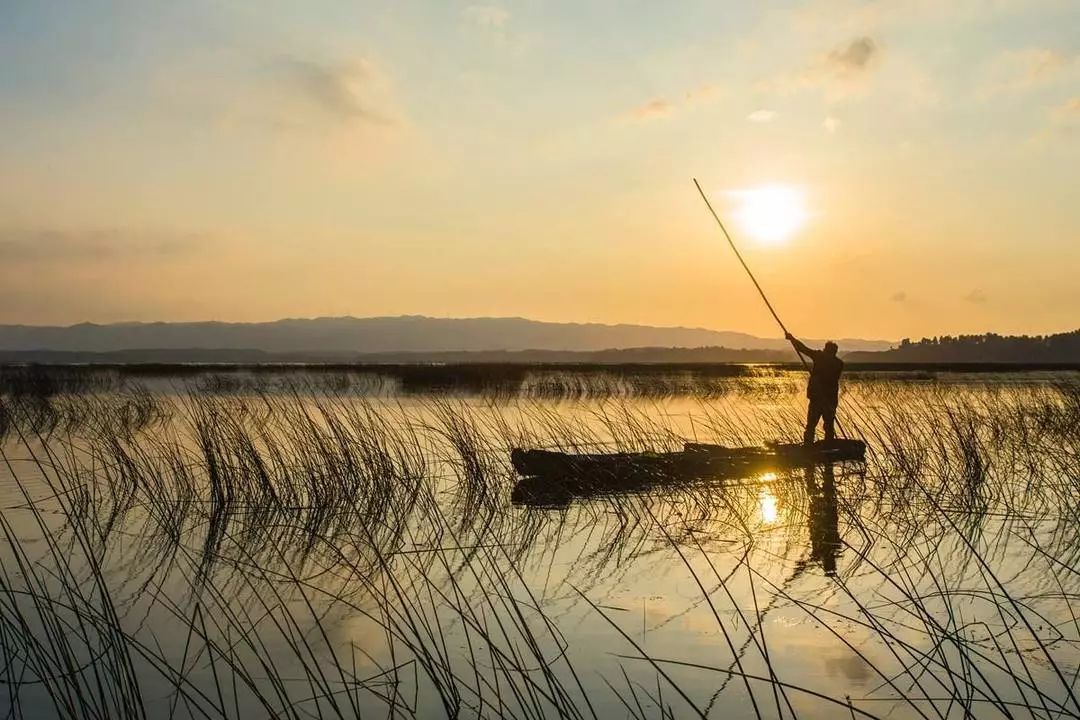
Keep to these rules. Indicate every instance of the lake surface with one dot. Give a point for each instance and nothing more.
(341, 544)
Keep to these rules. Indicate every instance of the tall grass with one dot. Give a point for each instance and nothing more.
(311, 551)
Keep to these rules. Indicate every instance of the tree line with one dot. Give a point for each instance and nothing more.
(988, 347)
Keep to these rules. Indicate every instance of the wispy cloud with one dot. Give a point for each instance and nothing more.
(1062, 121)
(815, 17)
(701, 94)
(661, 107)
(344, 93)
(1069, 110)
(1065, 118)
(976, 296)
(843, 69)
(654, 109)
(831, 124)
(1017, 71)
(837, 73)
(487, 16)
(899, 297)
(1043, 63)
(495, 21)
(761, 116)
(852, 58)
(47, 246)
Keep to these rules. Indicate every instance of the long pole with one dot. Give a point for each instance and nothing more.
(752, 278)
(743, 262)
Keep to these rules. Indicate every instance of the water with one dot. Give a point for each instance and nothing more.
(269, 545)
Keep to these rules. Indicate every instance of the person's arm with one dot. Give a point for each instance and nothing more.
(801, 347)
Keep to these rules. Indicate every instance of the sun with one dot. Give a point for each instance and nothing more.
(770, 214)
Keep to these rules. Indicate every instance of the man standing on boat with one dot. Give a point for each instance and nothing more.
(824, 388)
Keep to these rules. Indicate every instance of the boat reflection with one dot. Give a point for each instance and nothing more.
(769, 493)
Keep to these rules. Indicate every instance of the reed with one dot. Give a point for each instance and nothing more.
(317, 549)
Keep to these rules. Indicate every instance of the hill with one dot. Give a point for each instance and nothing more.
(646, 355)
(348, 335)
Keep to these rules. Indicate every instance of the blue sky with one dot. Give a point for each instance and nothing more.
(254, 160)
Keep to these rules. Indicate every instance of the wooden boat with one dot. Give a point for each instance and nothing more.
(786, 454)
(694, 458)
(559, 476)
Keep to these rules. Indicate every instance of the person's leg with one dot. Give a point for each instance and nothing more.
(829, 414)
(813, 414)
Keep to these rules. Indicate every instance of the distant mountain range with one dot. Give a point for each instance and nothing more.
(415, 339)
(344, 337)
(622, 356)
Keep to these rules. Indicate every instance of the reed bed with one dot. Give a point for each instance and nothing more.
(323, 551)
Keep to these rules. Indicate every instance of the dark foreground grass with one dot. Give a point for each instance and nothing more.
(301, 554)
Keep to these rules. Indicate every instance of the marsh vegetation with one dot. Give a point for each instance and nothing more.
(335, 544)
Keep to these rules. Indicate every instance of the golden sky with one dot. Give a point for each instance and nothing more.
(251, 161)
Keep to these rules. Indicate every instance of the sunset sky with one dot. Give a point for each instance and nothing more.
(256, 160)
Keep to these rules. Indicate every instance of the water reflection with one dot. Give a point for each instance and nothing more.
(821, 512)
(823, 519)
(767, 501)
(362, 522)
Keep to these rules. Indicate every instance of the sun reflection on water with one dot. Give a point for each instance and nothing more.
(767, 501)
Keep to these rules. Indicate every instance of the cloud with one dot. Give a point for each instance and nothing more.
(660, 108)
(46, 246)
(1062, 121)
(702, 94)
(899, 297)
(830, 124)
(487, 16)
(337, 90)
(815, 17)
(655, 109)
(1065, 118)
(344, 93)
(1067, 112)
(494, 22)
(1017, 71)
(854, 58)
(838, 72)
(1044, 63)
(976, 296)
(761, 116)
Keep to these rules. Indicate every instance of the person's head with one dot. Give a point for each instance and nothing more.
(831, 348)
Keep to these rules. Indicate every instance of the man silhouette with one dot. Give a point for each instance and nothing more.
(824, 387)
